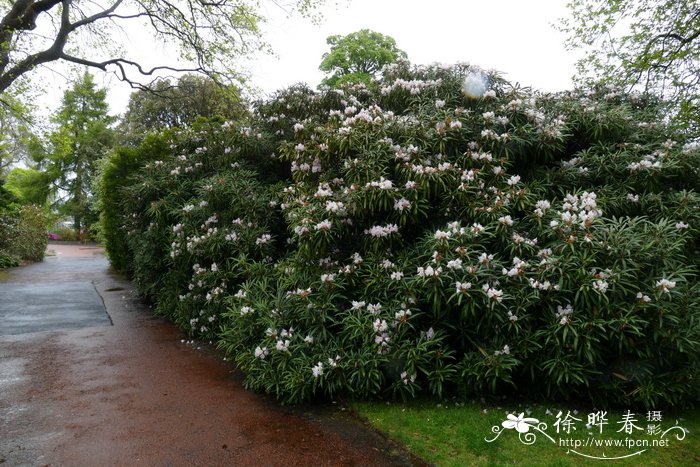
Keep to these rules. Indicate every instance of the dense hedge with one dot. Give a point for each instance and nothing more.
(425, 235)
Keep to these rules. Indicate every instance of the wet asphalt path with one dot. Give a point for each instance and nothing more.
(56, 294)
(89, 377)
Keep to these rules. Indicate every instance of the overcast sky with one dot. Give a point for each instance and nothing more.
(515, 37)
(512, 36)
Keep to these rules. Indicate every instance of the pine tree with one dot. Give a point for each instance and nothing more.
(82, 137)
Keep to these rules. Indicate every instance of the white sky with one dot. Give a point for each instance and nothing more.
(515, 37)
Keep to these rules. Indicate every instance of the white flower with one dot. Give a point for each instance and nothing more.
(336, 207)
(600, 285)
(439, 104)
(396, 276)
(374, 308)
(382, 231)
(402, 204)
(380, 325)
(282, 345)
(317, 370)
(309, 339)
(428, 271)
(455, 264)
(514, 180)
(263, 239)
(485, 258)
(665, 285)
(477, 229)
(440, 235)
(327, 278)
(261, 352)
(493, 293)
(506, 220)
(402, 315)
(643, 298)
(246, 310)
(324, 225)
(682, 225)
(505, 351)
(406, 378)
(357, 305)
(462, 287)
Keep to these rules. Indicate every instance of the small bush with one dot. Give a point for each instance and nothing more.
(8, 261)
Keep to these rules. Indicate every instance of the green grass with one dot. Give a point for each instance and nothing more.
(453, 434)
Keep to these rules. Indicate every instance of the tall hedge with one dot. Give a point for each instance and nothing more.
(439, 231)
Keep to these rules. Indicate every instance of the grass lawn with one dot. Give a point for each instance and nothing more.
(455, 434)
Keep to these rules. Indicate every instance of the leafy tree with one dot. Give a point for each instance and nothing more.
(81, 139)
(31, 186)
(15, 123)
(358, 57)
(210, 35)
(652, 45)
(173, 105)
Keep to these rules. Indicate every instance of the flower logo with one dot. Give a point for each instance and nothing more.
(521, 424)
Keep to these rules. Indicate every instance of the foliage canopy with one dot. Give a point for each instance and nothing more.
(207, 36)
(358, 57)
(649, 45)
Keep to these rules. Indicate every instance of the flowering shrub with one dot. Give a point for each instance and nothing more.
(437, 231)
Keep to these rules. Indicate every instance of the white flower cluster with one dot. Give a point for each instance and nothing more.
(518, 268)
(651, 161)
(581, 210)
(380, 231)
(428, 271)
(504, 351)
(492, 292)
(563, 314)
(414, 87)
(382, 184)
(665, 285)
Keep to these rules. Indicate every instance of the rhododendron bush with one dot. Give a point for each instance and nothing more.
(417, 236)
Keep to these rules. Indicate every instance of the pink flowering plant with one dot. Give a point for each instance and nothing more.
(430, 234)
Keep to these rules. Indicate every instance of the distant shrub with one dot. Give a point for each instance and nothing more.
(23, 233)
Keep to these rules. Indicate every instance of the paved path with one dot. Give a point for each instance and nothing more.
(98, 381)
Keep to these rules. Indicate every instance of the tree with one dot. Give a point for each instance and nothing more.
(15, 134)
(358, 57)
(81, 139)
(649, 45)
(208, 34)
(170, 106)
(30, 186)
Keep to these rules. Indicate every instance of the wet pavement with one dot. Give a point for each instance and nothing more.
(89, 377)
